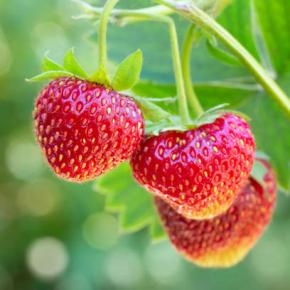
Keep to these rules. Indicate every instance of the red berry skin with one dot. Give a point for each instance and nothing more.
(198, 172)
(85, 129)
(224, 240)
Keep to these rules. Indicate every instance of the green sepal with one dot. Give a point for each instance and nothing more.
(52, 70)
(258, 172)
(173, 123)
(50, 75)
(213, 113)
(210, 115)
(101, 77)
(240, 114)
(262, 155)
(128, 72)
(50, 65)
(71, 64)
(150, 110)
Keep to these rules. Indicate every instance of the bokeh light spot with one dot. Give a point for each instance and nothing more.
(74, 282)
(124, 268)
(163, 263)
(47, 258)
(24, 160)
(45, 35)
(101, 230)
(38, 198)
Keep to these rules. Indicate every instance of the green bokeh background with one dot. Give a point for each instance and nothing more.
(55, 235)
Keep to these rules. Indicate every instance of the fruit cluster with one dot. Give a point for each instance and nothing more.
(210, 206)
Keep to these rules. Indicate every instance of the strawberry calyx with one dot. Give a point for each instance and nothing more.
(260, 169)
(126, 76)
(166, 122)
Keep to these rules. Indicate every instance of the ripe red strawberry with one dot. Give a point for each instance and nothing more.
(224, 240)
(85, 129)
(198, 172)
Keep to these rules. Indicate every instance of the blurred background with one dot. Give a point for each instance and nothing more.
(55, 235)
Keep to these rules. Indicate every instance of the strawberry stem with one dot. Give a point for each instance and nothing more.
(101, 76)
(199, 17)
(156, 13)
(180, 86)
(186, 55)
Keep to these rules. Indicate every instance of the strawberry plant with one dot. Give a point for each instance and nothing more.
(190, 145)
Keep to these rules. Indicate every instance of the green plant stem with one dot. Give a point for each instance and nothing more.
(120, 15)
(196, 15)
(186, 55)
(180, 86)
(101, 75)
(156, 13)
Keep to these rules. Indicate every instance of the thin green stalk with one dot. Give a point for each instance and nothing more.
(200, 18)
(183, 107)
(186, 55)
(92, 12)
(156, 13)
(101, 75)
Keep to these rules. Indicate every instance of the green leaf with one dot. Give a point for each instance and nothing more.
(237, 20)
(49, 65)
(274, 23)
(271, 36)
(128, 72)
(133, 203)
(271, 131)
(49, 75)
(71, 64)
(157, 232)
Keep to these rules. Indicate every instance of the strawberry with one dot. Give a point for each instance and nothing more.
(224, 240)
(199, 172)
(85, 129)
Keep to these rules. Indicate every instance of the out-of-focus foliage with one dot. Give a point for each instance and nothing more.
(55, 235)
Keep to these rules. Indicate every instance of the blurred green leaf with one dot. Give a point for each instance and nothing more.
(133, 204)
(210, 94)
(273, 20)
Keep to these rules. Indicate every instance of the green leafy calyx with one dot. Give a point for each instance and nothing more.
(126, 76)
(53, 70)
(258, 172)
